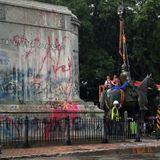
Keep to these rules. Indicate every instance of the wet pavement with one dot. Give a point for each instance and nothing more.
(144, 156)
(110, 151)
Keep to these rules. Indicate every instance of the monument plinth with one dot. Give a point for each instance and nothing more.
(39, 62)
(38, 52)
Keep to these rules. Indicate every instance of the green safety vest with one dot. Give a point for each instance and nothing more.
(115, 114)
(133, 127)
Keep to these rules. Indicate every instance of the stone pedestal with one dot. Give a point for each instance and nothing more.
(38, 53)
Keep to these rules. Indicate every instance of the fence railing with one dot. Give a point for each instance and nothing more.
(24, 130)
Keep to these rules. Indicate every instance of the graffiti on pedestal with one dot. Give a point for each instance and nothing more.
(39, 70)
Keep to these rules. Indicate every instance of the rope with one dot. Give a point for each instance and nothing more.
(122, 96)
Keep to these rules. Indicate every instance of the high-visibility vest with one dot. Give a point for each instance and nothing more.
(133, 127)
(115, 114)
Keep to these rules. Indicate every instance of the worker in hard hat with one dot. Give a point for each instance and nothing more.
(115, 117)
(115, 112)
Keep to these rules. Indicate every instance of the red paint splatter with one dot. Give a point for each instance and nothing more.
(48, 54)
(61, 113)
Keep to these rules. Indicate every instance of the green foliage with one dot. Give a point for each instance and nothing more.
(145, 48)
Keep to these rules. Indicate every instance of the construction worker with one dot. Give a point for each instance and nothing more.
(116, 81)
(133, 127)
(115, 117)
(108, 83)
(115, 112)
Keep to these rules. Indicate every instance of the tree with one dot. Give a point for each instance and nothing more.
(146, 37)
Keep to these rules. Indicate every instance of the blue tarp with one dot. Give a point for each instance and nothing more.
(125, 84)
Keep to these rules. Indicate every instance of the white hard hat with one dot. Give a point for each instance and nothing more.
(115, 102)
